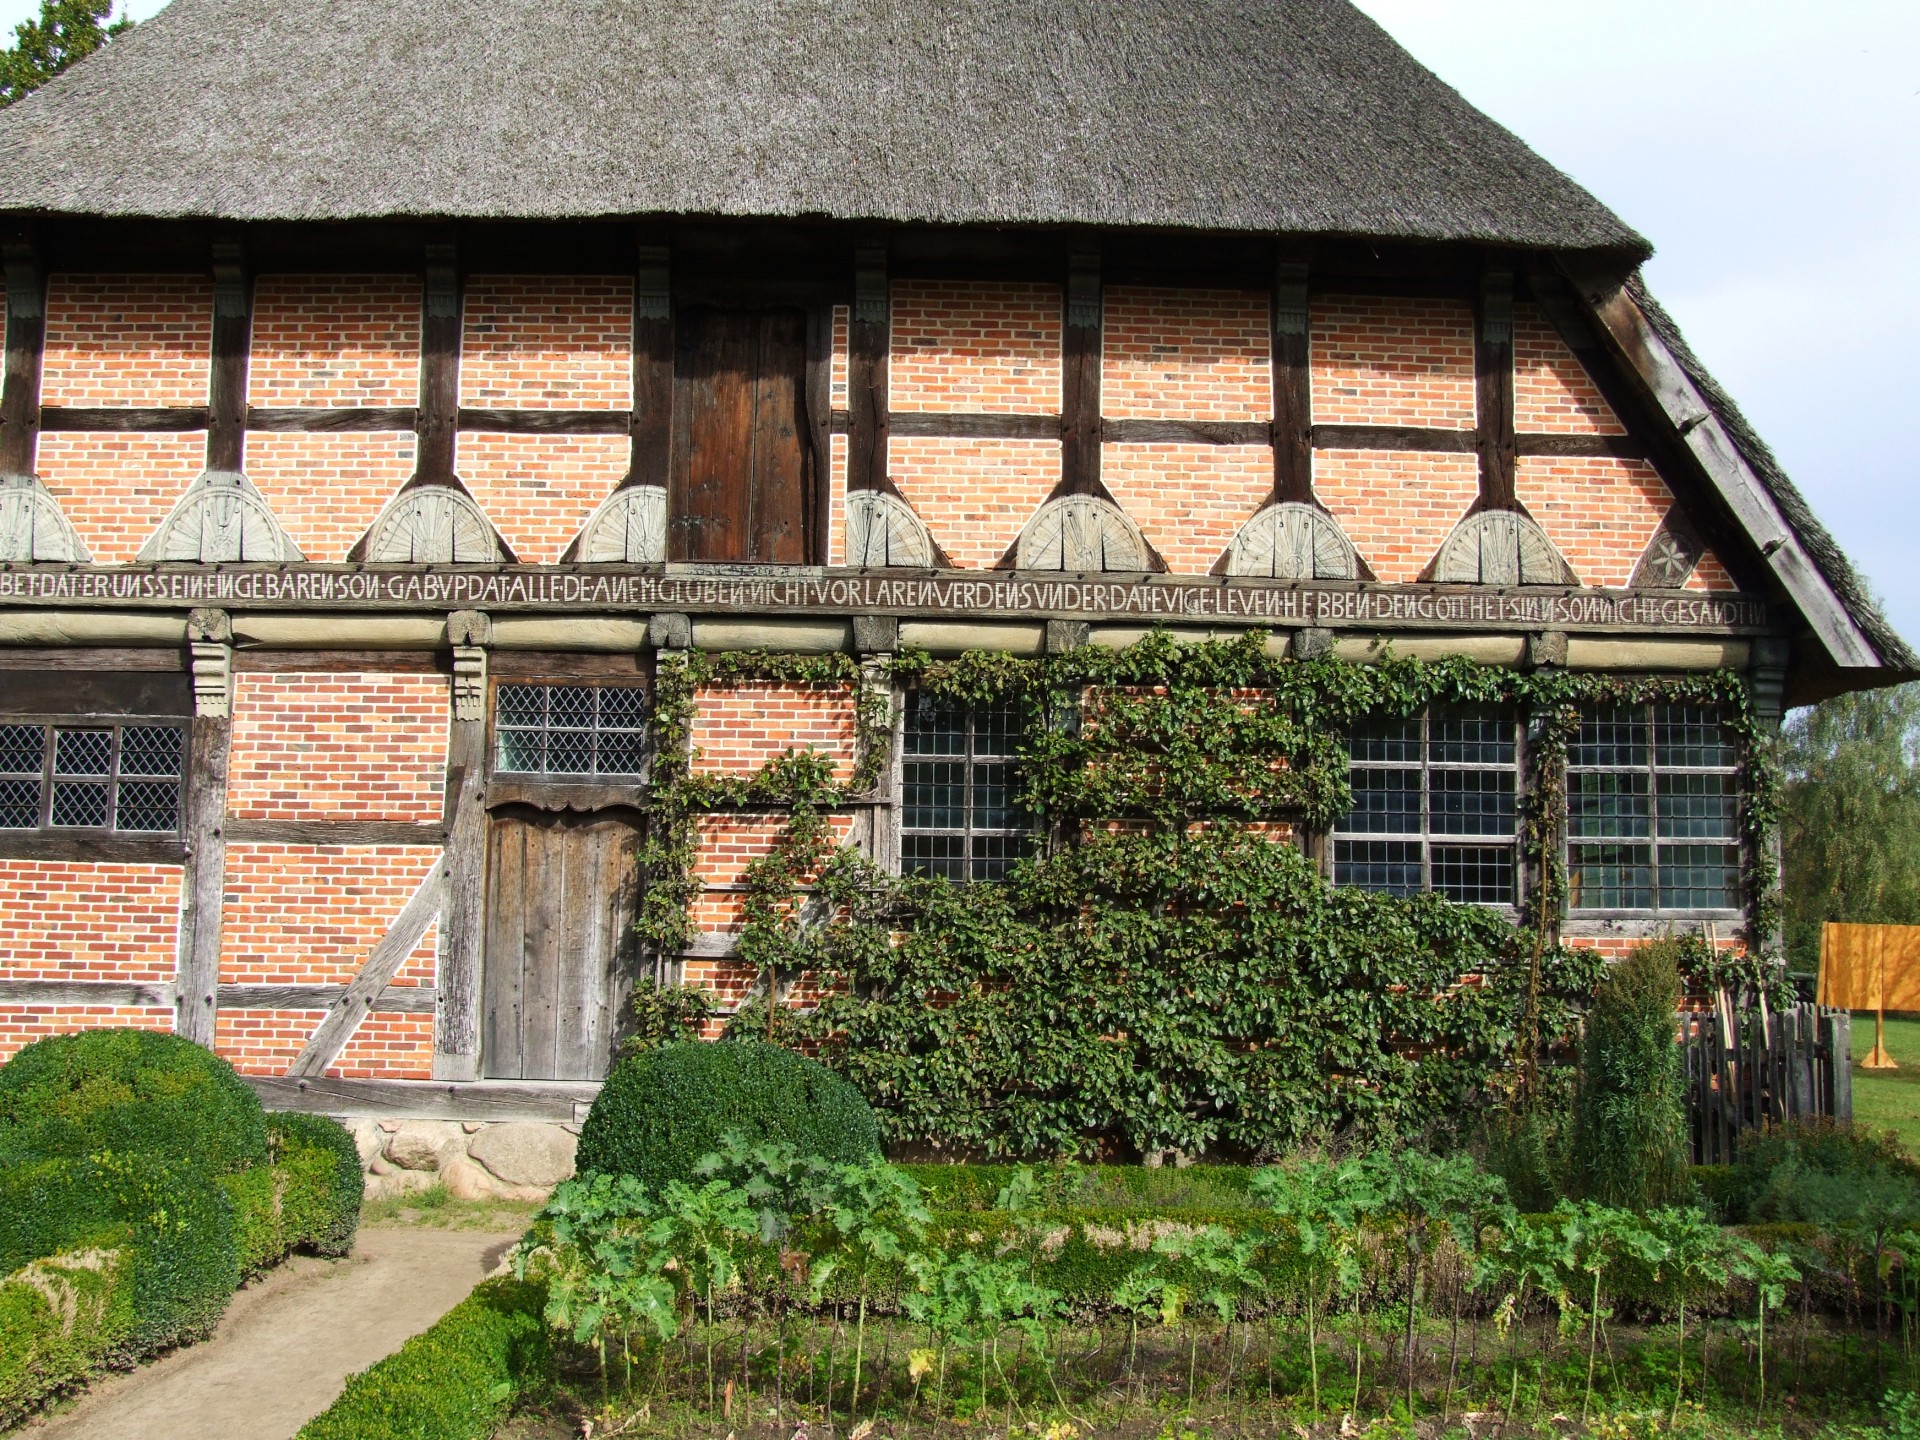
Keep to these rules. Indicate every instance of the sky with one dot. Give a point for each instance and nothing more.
(1770, 150)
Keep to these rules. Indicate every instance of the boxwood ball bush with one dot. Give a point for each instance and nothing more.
(134, 1092)
(660, 1111)
(324, 1182)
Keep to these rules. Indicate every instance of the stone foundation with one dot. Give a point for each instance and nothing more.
(510, 1160)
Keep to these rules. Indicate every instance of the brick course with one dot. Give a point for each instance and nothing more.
(1188, 500)
(974, 345)
(327, 490)
(311, 914)
(1599, 512)
(1378, 360)
(86, 920)
(338, 747)
(335, 340)
(117, 488)
(139, 340)
(20, 1027)
(739, 728)
(1551, 392)
(538, 342)
(1396, 506)
(538, 490)
(974, 495)
(1186, 355)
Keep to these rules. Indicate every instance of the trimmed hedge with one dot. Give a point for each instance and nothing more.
(661, 1111)
(60, 1320)
(175, 1222)
(455, 1381)
(134, 1092)
(324, 1182)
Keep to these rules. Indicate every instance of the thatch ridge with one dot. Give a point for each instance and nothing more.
(1294, 116)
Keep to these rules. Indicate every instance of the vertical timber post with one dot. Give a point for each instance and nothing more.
(26, 342)
(456, 1032)
(652, 366)
(1080, 379)
(868, 340)
(1292, 387)
(227, 379)
(1493, 384)
(1766, 690)
(439, 417)
(204, 825)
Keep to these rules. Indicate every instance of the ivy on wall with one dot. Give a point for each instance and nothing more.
(1168, 972)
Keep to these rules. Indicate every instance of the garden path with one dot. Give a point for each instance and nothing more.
(288, 1342)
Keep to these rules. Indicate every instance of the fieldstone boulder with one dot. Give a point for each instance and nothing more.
(425, 1144)
(467, 1181)
(368, 1138)
(524, 1154)
(397, 1182)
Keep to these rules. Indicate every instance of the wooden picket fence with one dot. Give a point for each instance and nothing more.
(1750, 1068)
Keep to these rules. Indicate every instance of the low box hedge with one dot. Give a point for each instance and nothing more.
(61, 1319)
(454, 1381)
(325, 1185)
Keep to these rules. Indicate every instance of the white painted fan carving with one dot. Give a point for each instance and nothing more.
(1080, 532)
(1500, 547)
(882, 530)
(433, 525)
(630, 527)
(1292, 542)
(32, 524)
(222, 519)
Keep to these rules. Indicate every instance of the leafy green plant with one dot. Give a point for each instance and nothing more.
(876, 1217)
(666, 1014)
(1629, 1110)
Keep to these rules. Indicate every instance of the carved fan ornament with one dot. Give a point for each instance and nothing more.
(222, 519)
(882, 531)
(33, 526)
(1500, 547)
(433, 525)
(629, 527)
(1083, 533)
(1293, 542)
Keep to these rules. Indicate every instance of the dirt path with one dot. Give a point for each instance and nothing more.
(288, 1342)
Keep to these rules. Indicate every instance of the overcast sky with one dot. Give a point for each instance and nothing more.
(1770, 150)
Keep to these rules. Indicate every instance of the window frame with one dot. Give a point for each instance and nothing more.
(1427, 837)
(636, 777)
(1029, 832)
(1653, 770)
(50, 725)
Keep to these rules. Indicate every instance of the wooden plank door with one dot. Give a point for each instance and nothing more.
(743, 463)
(562, 890)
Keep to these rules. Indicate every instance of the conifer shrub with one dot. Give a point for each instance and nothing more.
(133, 1092)
(1629, 1123)
(661, 1111)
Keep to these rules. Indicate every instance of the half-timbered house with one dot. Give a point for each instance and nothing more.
(388, 385)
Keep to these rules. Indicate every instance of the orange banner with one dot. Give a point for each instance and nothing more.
(1870, 967)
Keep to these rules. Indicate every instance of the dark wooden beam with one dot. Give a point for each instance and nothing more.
(123, 849)
(1618, 447)
(868, 339)
(547, 422)
(1080, 379)
(394, 1000)
(124, 417)
(948, 425)
(119, 661)
(819, 409)
(456, 1031)
(565, 1101)
(1187, 432)
(397, 417)
(334, 832)
(227, 371)
(26, 342)
(1292, 386)
(1493, 385)
(439, 415)
(1393, 437)
(652, 420)
(203, 822)
(350, 661)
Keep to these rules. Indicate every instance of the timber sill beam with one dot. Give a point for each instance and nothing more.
(565, 1101)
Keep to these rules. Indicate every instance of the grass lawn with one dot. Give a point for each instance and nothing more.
(1889, 1099)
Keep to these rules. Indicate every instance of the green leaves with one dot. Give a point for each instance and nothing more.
(67, 31)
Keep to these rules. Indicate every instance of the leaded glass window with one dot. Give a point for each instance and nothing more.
(959, 814)
(91, 776)
(1653, 810)
(1435, 805)
(570, 729)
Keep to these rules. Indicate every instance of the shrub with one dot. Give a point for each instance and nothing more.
(455, 1381)
(175, 1222)
(1817, 1172)
(134, 1092)
(324, 1181)
(259, 1229)
(1629, 1131)
(60, 1319)
(661, 1111)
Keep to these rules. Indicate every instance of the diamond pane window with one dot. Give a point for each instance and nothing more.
(1435, 805)
(1653, 810)
(91, 777)
(959, 777)
(571, 729)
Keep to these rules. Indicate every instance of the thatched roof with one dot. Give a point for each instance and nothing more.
(1297, 116)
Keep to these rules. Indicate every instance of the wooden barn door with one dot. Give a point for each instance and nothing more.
(743, 465)
(560, 942)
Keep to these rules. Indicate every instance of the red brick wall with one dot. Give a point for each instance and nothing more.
(1386, 361)
(334, 340)
(974, 495)
(1186, 355)
(728, 845)
(116, 489)
(140, 340)
(537, 342)
(966, 345)
(338, 746)
(1188, 500)
(1551, 391)
(1599, 512)
(327, 490)
(83, 920)
(1710, 574)
(1396, 506)
(538, 490)
(21, 1027)
(739, 728)
(837, 372)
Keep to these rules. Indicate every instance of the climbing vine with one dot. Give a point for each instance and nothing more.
(1166, 972)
